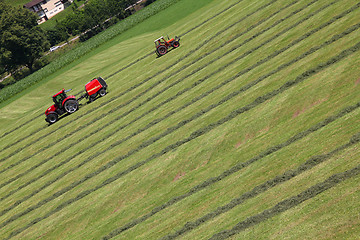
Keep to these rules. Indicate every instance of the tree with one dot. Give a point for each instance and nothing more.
(22, 41)
(58, 34)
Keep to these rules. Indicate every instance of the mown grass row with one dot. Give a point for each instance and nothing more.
(111, 75)
(84, 48)
(120, 70)
(16, 128)
(113, 110)
(181, 35)
(302, 77)
(293, 201)
(156, 121)
(207, 183)
(118, 96)
(207, 20)
(286, 176)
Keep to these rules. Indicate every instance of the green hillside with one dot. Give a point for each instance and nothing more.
(249, 130)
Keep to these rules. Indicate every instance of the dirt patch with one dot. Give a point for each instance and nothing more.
(357, 82)
(178, 176)
(249, 136)
(301, 111)
(246, 138)
(120, 205)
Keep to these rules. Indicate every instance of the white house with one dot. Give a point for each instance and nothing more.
(46, 9)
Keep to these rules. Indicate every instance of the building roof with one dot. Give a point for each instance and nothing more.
(32, 3)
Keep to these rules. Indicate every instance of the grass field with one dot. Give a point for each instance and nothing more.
(248, 130)
(16, 2)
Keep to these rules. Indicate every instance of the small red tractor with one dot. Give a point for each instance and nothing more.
(69, 104)
(162, 45)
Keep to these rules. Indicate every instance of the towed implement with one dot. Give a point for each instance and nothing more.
(70, 104)
(94, 88)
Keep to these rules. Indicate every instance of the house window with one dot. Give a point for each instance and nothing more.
(58, 4)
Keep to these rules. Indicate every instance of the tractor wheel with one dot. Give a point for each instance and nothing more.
(162, 50)
(92, 97)
(102, 92)
(71, 105)
(52, 118)
(175, 44)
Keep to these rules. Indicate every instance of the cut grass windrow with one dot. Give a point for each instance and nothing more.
(236, 168)
(207, 20)
(302, 77)
(291, 202)
(181, 35)
(142, 93)
(129, 65)
(286, 176)
(155, 121)
(111, 75)
(16, 128)
(235, 93)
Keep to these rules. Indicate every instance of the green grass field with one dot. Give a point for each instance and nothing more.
(248, 130)
(17, 2)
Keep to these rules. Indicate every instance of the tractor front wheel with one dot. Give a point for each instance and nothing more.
(175, 44)
(102, 92)
(162, 50)
(52, 118)
(71, 105)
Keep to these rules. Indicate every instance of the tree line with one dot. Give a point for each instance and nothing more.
(23, 42)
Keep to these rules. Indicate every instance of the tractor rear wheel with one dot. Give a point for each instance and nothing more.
(175, 44)
(52, 118)
(71, 106)
(162, 50)
(92, 97)
(102, 92)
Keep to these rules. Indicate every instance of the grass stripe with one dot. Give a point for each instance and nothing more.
(335, 38)
(148, 126)
(291, 202)
(16, 128)
(207, 20)
(237, 167)
(111, 75)
(139, 95)
(181, 35)
(171, 147)
(286, 176)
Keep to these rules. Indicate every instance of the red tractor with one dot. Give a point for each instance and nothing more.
(69, 104)
(63, 104)
(162, 45)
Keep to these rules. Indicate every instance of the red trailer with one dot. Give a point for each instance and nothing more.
(94, 88)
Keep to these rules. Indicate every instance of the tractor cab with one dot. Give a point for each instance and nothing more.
(59, 97)
(159, 41)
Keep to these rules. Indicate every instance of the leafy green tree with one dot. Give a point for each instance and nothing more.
(22, 41)
(58, 34)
